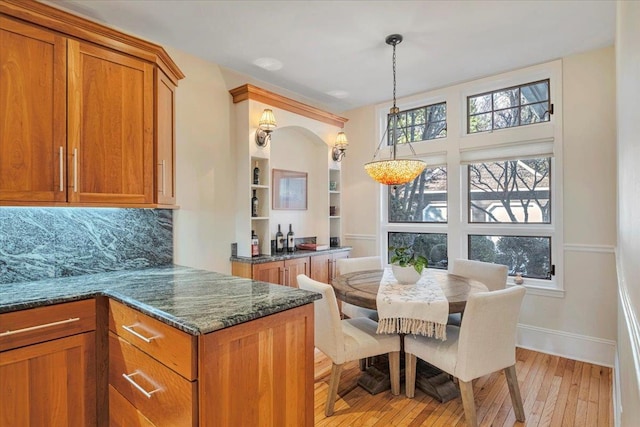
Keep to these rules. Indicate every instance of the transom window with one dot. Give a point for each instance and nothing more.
(420, 124)
(509, 107)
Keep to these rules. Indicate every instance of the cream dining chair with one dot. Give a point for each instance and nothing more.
(494, 276)
(347, 340)
(484, 343)
(350, 265)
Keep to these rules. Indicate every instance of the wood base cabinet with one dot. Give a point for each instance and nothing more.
(48, 366)
(323, 267)
(277, 272)
(259, 373)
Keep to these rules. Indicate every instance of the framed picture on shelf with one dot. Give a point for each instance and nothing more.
(289, 190)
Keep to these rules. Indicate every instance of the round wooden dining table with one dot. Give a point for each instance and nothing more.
(361, 288)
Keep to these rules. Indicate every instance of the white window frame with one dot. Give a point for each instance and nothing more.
(458, 149)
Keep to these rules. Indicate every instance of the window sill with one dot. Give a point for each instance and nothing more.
(541, 291)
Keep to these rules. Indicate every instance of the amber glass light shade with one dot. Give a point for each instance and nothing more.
(395, 172)
(341, 141)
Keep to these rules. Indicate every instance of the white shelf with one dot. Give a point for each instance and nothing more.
(253, 186)
(335, 217)
(334, 192)
(259, 218)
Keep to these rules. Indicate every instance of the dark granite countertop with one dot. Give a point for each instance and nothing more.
(262, 259)
(192, 300)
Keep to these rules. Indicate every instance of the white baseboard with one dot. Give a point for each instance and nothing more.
(565, 344)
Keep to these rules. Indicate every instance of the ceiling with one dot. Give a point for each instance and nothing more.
(338, 47)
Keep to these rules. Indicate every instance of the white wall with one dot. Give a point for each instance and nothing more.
(582, 324)
(628, 94)
(204, 225)
(295, 150)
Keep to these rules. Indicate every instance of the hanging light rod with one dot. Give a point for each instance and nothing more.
(394, 171)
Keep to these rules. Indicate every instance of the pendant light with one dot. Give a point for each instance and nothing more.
(394, 171)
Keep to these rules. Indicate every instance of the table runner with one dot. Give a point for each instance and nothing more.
(419, 309)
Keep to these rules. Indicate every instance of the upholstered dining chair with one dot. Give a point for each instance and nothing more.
(350, 265)
(494, 276)
(347, 340)
(484, 343)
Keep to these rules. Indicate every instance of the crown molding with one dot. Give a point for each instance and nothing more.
(248, 91)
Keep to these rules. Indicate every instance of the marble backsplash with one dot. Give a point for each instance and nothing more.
(42, 243)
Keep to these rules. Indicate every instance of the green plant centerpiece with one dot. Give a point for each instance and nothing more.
(406, 265)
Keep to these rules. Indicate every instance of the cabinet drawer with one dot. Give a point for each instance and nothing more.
(34, 325)
(161, 395)
(123, 414)
(174, 348)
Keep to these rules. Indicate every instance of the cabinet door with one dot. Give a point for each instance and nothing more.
(272, 272)
(165, 139)
(320, 267)
(296, 266)
(49, 384)
(110, 126)
(32, 113)
(336, 256)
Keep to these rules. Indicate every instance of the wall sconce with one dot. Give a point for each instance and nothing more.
(339, 147)
(266, 125)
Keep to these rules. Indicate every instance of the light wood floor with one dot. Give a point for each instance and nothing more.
(555, 392)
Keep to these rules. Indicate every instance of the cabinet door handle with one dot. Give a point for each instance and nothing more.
(282, 276)
(75, 170)
(33, 328)
(138, 334)
(61, 156)
(162, 165)
(138, 386)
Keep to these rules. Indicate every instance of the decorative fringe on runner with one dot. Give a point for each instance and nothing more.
(401, 325)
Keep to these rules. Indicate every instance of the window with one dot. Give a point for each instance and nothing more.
(505, 108)
(510, 191)
(422, 200)
(432, 246)
(420, 124)
(487, 196)
(528, 255)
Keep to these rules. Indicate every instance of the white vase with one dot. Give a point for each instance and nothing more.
(405, 275)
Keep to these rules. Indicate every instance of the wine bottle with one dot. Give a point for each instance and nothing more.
(255, 244)
(254, 204)
(279, 240)
(256, 175)
(290, 243)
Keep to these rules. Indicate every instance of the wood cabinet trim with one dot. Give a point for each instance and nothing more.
(248, 91)
(76, 26)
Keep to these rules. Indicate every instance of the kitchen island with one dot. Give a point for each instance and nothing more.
(166, 346)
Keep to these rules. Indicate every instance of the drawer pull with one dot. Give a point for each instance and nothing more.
(138, 386)
(137, 334)
(33, 328)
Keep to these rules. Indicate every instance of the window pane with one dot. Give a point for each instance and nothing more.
(480, 123)
(506, 98)
(534, 113)
(479, 104)
(432, 246)
(422, 200)
(437, 112)
(510, 191)
(411, 124)
(506, 118)
(535, 92)
(530, 256)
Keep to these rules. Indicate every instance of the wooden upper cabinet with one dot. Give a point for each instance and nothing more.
(87, 113)
(165, 139)
(110, 126)
(32, 113)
